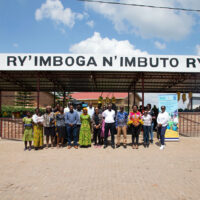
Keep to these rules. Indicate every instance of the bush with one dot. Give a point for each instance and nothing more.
(7, 111)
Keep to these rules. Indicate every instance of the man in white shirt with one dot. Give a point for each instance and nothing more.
(162, 120)
(109, 116)
(90, 109)
(67, 108)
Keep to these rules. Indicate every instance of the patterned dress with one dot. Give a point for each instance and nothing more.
(28, 130)
(85, 131)
(38, 132)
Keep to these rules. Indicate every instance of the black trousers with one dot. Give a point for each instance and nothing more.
(96, 134)
(135, 131)
(111, 127)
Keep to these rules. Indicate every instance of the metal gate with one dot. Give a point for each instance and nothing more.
(11, 128)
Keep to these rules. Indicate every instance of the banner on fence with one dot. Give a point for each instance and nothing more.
(171, 103)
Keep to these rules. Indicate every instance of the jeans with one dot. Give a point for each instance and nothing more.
(147, 131)
(151, 131)
(135, 131)
(72, 130)
(96, 134)
(161, 132)
(111, 127)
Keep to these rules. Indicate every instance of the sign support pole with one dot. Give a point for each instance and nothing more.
(142, 91)
(38, 91)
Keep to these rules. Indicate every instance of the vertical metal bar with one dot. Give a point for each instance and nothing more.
(54, 99)
(64, 98)
(15, 129)
(21, 127)
(8, 129)
(3, 128)
(128, 102)
(38, 91)
(142, 91)
(11, 121)
(134, 94)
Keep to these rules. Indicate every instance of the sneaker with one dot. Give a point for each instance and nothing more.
(113, 146)
(25, 149)
(124, 146)
(29, 148)
(162, 147)
(105, 146)
(117, 145)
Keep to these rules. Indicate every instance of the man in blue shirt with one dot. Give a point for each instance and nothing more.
(71, 119)
(121, 125)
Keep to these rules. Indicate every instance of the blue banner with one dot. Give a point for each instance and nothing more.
(170, 101)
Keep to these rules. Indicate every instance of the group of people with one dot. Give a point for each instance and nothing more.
(84, 125)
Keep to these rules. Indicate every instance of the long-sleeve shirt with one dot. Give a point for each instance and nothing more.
(121, 119)
(71, 118)
(163, 118)
(79, 114)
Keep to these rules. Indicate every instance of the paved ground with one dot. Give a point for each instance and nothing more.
(85, 174)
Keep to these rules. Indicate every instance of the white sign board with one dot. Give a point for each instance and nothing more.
(90, 62)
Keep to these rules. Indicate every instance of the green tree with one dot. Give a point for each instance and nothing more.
(24, 99)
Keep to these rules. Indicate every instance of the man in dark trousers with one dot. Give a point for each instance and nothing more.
(109, 116)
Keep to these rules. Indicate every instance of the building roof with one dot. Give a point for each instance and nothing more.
(96, 95)
(99, 81)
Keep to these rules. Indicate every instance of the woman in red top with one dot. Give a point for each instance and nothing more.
(134, 120)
